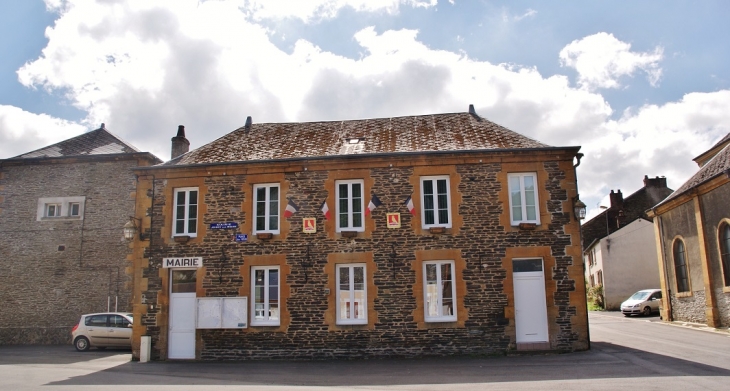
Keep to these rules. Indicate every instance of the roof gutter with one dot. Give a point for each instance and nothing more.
(573, 149)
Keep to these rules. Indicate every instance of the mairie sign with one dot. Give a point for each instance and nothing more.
(182, 262)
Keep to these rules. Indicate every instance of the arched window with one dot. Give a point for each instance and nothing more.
(725, 252)
(680, 267)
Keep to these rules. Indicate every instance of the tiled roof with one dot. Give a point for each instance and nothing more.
(95, 142)
(437, 132)
(714, 167)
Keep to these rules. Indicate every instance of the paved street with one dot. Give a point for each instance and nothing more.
(638, 353)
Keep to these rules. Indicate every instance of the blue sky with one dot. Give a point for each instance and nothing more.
(643, 87)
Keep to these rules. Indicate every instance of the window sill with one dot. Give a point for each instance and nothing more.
(348, 234)
(60, 218)
(684, 294)
(441, 320)
(527, 226)
(726, 289)
(181, 239)
(264, 236)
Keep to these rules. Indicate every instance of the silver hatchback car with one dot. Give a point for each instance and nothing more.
(102, 330)
(644, 302)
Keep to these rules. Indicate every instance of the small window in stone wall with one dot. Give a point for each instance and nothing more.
(680, 266)
(725, 252)
(60, 208)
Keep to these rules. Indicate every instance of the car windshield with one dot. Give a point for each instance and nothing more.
(641, 295)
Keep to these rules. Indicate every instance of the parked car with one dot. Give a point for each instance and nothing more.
(644, 302)
(110, 329)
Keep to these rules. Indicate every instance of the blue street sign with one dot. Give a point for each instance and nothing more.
(227, 225)
(241, 237)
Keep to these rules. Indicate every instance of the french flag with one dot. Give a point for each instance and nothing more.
(325, 209)
(374, 203)
(409, 204)
(291, 208)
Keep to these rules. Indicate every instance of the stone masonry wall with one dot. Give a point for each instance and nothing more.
(54, 271)
(689, 309)
(481, 240)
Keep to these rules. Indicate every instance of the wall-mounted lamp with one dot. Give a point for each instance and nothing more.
(306, 263)
(131, 228)
(579, 208)
(393, 257)
(224, 259)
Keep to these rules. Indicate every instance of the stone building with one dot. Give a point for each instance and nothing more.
(619, 247)
(692, 228)
(62, 209)
(411, 236)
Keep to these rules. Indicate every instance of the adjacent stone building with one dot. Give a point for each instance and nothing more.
(62, 209)
(410, 236)
(619, 247)
(692, 228)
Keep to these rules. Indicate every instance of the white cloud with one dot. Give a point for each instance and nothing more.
(145, 67)
(314, 10)
(21, 131)
(601, 59)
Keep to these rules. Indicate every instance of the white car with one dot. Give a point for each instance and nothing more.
(102, 330)
(644, 302)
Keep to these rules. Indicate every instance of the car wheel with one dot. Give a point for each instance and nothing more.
(81, 344)
(647, 311)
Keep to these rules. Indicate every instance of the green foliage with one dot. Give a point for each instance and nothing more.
(595, 298)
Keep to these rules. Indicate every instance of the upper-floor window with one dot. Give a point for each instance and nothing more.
(53, 210)
(74, 208)
(185, 215)
(350, 205)
(265, 294)
(523, 203)
(436, 210)
(439, 291)
(725, 252)
(680, 266)
(71, 208)
(266, 208)
(352, 298)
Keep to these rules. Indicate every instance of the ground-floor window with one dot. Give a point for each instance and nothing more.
(439, 291)
(265, 294)
(351, 294)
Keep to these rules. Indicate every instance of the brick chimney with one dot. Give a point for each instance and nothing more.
(617, 200)
(180, 144)
(660, 182)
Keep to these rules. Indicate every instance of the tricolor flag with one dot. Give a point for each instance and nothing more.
(409, 204)
(325, 210)
(374, 203)
(291, 208)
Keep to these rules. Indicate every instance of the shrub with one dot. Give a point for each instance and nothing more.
(595, 296)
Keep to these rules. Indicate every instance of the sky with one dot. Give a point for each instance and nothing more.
(642, 87)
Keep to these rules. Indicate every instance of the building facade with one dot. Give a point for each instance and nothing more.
(692, 227)
(411, 236)
(619, 246)
(61, 212)
(623, 263)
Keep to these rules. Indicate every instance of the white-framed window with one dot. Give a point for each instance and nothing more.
(63, 208)
(352, 295)
(350, 205)
(265, 294)
(439, 291)
(436, 197)
(266, 208)
(53, 210)
(523, 202)
(185, 214)
(73, 209)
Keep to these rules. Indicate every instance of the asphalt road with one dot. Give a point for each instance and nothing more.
(627, 353)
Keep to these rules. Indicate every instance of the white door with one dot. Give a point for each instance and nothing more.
(181, 337)
(530, 303)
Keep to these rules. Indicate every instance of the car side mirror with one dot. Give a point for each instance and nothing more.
(129, 325)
